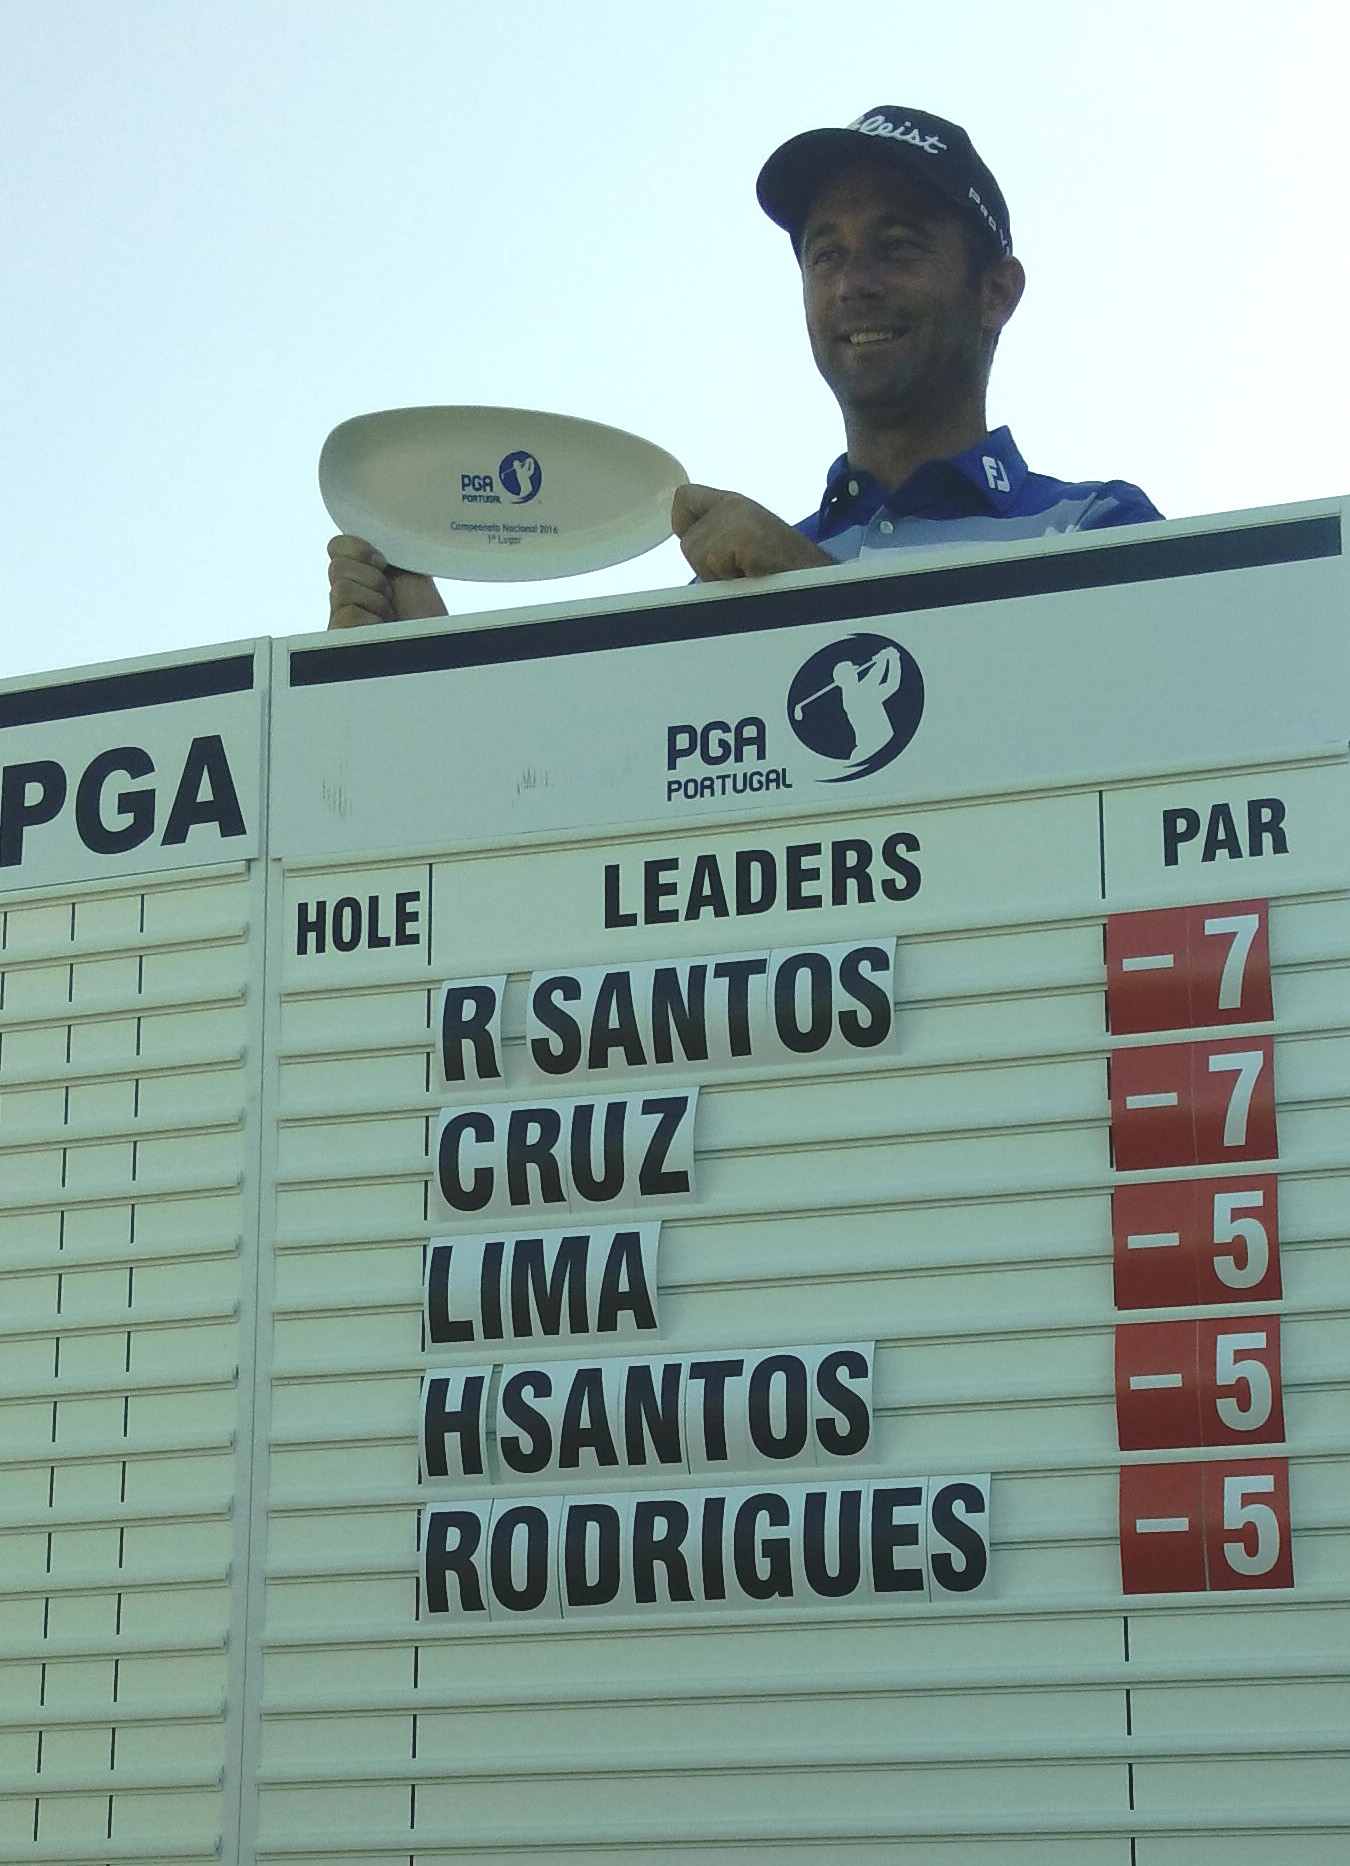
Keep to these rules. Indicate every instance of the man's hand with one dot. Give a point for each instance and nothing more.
(363, 588)
(725, 535)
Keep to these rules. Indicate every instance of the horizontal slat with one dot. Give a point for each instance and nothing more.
(463, 1840)
(96, 1646)
(972, 1029)
(231, 932)
(1091, 1323)
(118, 1386)
(158, 889)
(118, 1320)
(119, 1517)
(998, 1242)
(955, 1392)
(758, 1177)
(808, 1688)
(936, 976)
(816, 1757)
(52, 1782)
(96, 1451)
(1100, 1537)
(404, 1634)
(118, 1580)
(186, 1062)
(164, 1846)
(917, 1194)
(284, 1502)
(119, 1191)
(128, 1004)
(119, 1252)
(93, 1133)
(92, 1716)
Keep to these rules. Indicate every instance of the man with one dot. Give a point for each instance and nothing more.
(908, 278)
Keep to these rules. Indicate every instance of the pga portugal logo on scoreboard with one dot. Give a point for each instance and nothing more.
(854, 705)
(857, 703)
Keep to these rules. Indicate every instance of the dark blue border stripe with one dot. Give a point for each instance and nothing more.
(119, 693)
(1145, 561)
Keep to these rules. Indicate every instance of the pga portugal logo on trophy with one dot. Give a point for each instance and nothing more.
(858, 703)
(521, 477)
(517, 480)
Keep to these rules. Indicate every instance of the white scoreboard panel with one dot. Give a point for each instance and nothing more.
(130, 958)
(711, 1229)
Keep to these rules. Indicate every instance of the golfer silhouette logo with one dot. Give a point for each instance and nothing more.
(520, 476)
(858, 702)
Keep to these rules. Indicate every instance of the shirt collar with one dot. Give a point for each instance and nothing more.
(993, 469)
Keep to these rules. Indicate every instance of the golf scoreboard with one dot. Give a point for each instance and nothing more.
(711, 1226)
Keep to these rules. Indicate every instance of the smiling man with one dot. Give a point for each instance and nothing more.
(908, 278)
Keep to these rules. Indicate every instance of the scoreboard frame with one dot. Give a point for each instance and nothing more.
(567, 1244)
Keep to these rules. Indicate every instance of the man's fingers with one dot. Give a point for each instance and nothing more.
(356, 549)
(351, 570)
(691, 503)
(347, 617)
(415, 597)
(725, 535)
(365, 588)
(373, 605)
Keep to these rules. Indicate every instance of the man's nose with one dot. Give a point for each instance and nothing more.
(859, 276)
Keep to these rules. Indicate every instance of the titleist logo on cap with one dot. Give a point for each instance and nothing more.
(903, 133)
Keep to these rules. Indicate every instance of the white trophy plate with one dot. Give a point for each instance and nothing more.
(497, 495)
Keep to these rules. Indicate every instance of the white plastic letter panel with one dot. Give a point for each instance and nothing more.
(238, 1617)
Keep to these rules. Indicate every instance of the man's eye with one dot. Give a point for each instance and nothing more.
(821, 256)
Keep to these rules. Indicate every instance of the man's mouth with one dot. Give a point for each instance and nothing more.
(857, 339)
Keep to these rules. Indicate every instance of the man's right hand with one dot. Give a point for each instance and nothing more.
(363, 589)
(724, 534)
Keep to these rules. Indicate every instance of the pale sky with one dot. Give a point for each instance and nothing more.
(231, 224)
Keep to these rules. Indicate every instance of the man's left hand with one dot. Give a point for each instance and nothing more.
(724, 534)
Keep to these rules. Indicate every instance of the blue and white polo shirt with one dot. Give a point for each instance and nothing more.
(985, 493)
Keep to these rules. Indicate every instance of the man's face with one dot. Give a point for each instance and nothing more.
(898, 327)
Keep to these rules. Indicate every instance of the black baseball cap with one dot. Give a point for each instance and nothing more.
(925, 148)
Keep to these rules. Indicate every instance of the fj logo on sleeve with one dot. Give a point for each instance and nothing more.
(996, 474)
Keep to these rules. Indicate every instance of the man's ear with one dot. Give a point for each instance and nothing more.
(1001, 288)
